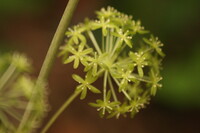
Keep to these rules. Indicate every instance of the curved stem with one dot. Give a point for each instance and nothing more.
(59, 111)
(50, 57)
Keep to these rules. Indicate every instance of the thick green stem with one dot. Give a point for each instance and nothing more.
(50, 57)
(57, 114)
(57, 40)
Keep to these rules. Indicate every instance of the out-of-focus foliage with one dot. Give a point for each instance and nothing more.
(16, 87)
(13, 80)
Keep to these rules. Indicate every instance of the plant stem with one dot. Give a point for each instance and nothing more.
(107, 40)
(7, 75)
(124, 92)
(111, 40)
(103, 43)
(112, 88)
(105, 84)
(61, 109)
(57, 40)
(50, 57)
(118, 42)
(94, 42)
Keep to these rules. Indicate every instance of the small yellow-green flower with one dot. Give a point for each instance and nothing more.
(119, 52)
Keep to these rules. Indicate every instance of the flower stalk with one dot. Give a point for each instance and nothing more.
(50, 57)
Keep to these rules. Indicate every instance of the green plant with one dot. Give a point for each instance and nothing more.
(127, 58)
(16, 87)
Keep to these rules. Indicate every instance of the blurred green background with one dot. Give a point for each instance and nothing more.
(28, 26)
(177, 23)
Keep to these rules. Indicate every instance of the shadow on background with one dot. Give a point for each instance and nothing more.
(28, 26)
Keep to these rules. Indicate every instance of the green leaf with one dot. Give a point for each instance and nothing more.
(87, 51)
(77, 78)
(140, 71)
(76, 63)
(90, 78)
(75, 39)
(68, 60)
(93, 89)
(108, 96)
(83, 94)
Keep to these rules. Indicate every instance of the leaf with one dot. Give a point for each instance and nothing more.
(83, 94)
(90, 78)
(87, 51)
(129, 43)
(108, 96)
(93, 89)
(140, 71)
(77, 78)
(75, 39)
(76, 63)
(68, 60)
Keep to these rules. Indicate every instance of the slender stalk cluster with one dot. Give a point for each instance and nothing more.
(15, 91)
(118, 49)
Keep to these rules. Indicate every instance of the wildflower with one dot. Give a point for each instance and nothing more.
(78, 55)
(105, 105)
(155, 79)
(128, 63)
(75, 35)
(140, 60)
(85, 84)
(155, 43)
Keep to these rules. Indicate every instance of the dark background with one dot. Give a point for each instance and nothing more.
(28, 27)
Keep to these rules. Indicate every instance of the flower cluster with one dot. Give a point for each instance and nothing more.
(120, 50)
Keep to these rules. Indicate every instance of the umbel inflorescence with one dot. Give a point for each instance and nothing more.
(119, 49)
(16, 87)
